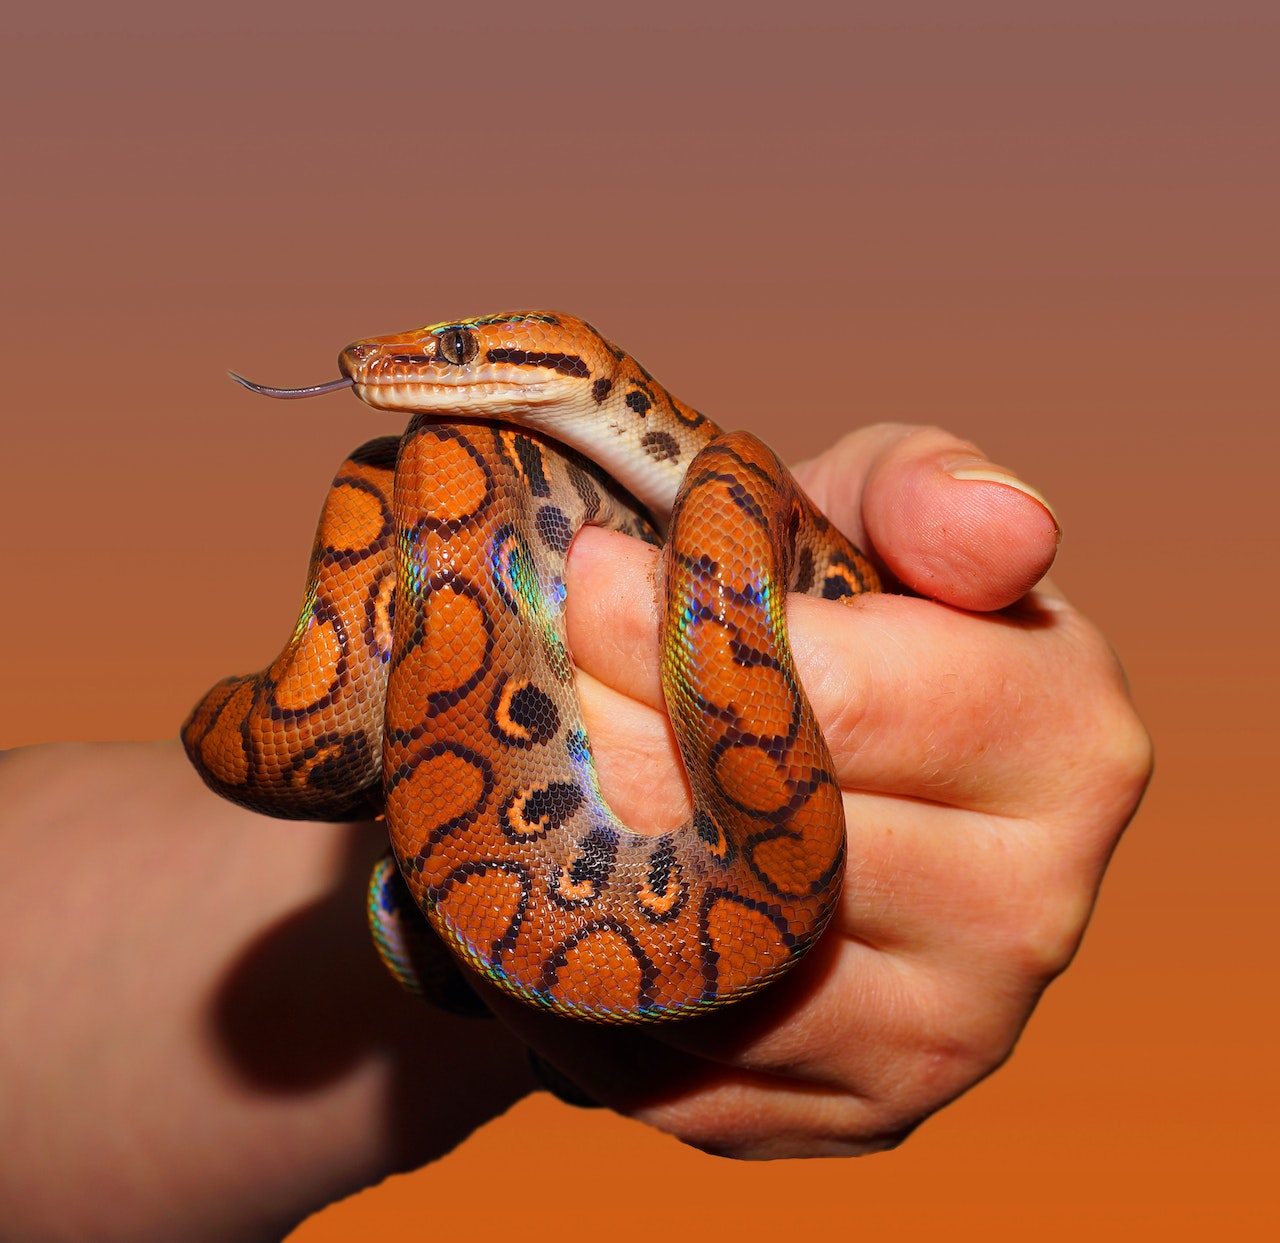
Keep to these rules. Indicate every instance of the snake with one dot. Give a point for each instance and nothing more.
(429, 679)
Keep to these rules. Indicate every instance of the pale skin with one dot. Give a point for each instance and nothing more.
(195, 1034)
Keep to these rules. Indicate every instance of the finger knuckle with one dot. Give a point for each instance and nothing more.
(1049, 933)
(949, 1055)
(1118, 749)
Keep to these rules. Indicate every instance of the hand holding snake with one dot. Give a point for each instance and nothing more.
(987, 765)
(430, 674)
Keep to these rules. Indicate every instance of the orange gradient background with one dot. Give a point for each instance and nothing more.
(1053, 232)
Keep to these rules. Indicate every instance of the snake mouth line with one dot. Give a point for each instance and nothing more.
(422, 396)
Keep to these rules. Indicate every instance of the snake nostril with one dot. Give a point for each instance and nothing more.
(351, 358)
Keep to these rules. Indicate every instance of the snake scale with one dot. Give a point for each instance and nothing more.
(429, 677)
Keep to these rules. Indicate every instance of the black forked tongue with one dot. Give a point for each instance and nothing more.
(314, 391)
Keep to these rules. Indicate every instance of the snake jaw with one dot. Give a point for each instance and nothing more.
(399, 374)
(491, 399)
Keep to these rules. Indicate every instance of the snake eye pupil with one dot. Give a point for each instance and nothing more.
(458, 345)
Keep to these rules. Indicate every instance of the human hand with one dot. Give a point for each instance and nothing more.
(989, 761)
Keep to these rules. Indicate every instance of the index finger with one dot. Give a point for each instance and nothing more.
(916, 699)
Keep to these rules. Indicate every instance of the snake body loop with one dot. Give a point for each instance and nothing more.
(429, 676)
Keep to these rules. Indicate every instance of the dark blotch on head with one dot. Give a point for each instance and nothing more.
(565, 364)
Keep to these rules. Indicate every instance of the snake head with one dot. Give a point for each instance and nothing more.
(502, 366)
(543, 370)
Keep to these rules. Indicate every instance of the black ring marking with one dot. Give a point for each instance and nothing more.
(323, 614)
(532, 464)
(422, 425)
(555, 529)
(802, 575)
(837, 585)
(507, 941)
(522, 714)
(556, 961)
(586, 491)
(665, 874)
(540, 810)
(329, 762)
(710, 957)
(379, 453)
(709, 831)
(590, 871)
(661, 446)
(437, 701)
(406, 769)
(380, 614)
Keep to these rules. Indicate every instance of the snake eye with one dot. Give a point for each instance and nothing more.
(459, 345)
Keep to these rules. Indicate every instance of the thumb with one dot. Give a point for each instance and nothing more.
(945, 521)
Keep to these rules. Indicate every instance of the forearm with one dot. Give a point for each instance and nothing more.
(194, 1031)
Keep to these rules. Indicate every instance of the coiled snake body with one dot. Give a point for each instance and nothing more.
(429, 675)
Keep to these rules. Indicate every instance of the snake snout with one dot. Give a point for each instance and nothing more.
(353, 358)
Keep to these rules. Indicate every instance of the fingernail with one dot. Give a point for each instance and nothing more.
(989, 472)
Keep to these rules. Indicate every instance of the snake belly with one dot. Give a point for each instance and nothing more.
(429, 676)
